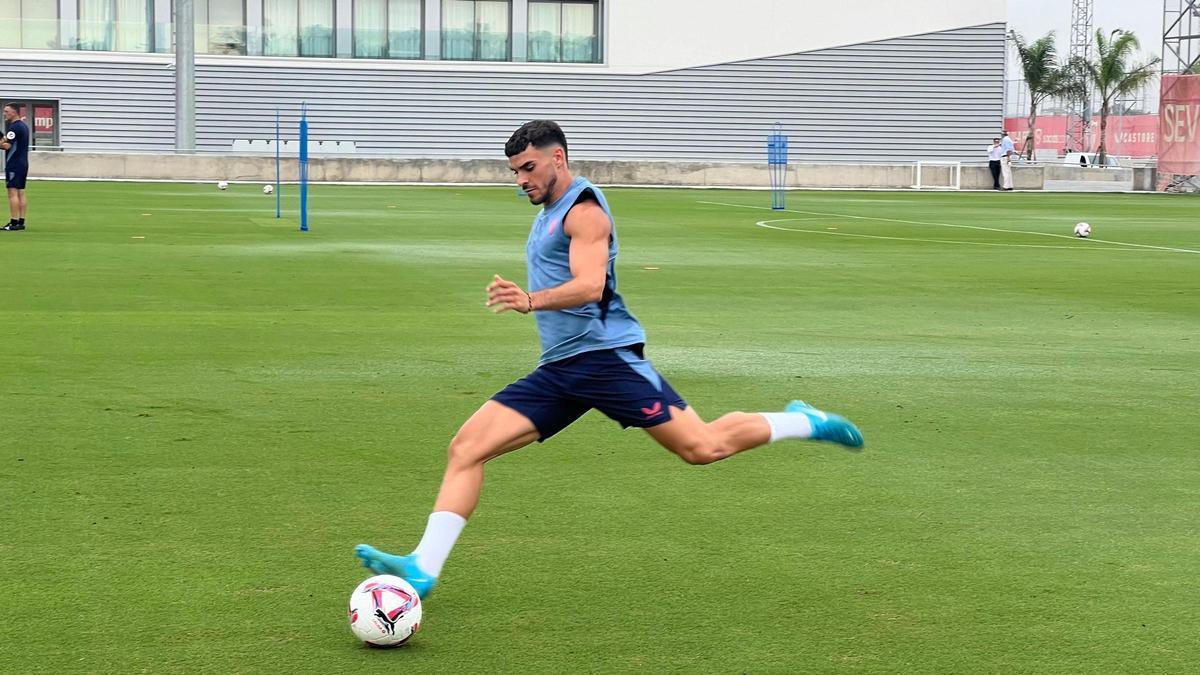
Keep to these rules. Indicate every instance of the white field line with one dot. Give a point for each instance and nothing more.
(957, 226)
(767, 224)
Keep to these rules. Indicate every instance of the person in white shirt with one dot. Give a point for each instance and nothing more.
(1010, 151)
(995, 152)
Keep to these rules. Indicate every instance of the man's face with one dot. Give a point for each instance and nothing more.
(536, 171)
(9, 114)
(995, 141)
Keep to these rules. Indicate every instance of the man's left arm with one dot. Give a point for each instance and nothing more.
(589, 228)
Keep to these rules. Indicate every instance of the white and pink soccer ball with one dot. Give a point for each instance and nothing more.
(385, 611)
(1083, 230)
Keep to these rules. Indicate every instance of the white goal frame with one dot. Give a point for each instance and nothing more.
(955, 175)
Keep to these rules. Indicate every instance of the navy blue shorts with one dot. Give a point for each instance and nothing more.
(620, 383)
(14, 177)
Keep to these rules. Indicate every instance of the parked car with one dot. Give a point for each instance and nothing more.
(1089, 159)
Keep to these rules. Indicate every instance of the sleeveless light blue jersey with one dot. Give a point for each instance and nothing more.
(606, 324)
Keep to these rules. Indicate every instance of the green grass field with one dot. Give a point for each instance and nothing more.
(205, 410)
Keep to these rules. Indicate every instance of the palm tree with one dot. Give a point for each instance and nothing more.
(1044, 76)
(1114, 75)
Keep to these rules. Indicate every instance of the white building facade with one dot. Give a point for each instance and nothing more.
(873, 80)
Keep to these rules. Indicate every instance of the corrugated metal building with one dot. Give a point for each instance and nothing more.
(628, 79)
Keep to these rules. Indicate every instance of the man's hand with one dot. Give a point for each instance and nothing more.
(4, 145)
(504, 295)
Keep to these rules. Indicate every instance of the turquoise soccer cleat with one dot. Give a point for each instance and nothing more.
(403, 566)
(829, 427)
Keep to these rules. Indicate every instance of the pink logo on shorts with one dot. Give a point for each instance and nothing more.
(653, 412)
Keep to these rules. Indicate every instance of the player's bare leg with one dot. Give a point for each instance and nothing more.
(700, 442)
(492, 431)
(16, 208)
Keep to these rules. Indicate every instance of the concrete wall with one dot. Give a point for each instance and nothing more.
(257, 168)
(1145, 178)
(1068, 178)
(1093, 174)
(1024, 178)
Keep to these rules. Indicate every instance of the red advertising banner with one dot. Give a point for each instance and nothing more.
(1050, 132)
(1128, 135)
(1179, 125)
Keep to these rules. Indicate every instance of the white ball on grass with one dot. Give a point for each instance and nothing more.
(385, 611)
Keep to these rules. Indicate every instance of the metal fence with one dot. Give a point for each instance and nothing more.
(1016, 102)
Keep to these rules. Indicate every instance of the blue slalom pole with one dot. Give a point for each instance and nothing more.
(304, 167)
(278, 194)
(777, 160)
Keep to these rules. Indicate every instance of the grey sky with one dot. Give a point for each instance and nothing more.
(1035, 18)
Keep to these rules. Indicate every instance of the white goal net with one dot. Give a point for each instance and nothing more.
(937, 175)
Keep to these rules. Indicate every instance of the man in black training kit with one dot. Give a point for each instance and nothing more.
(16, 166)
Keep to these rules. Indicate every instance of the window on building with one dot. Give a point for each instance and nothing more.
(387, 29)
(476, 30)
(564, 32)
(116, 25)
(298, 27)
(44, 122)
(220, 26)
(29, 24)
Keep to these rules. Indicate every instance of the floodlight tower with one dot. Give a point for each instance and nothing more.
(1181, 36)
(1079, 111)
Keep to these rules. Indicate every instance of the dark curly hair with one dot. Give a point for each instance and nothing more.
(538, 133)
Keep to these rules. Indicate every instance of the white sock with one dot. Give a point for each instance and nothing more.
(440, 534)
(788, 425)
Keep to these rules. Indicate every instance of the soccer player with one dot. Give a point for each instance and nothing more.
(16, 166)
(591, 358)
